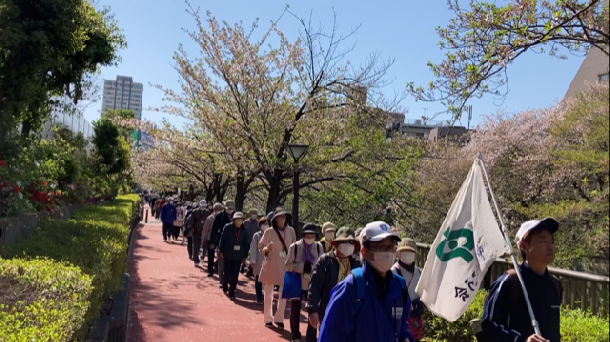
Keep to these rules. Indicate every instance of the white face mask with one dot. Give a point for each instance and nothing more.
(230, 211)
(407, 257)
(383, 261)
(309, 241)
(264, 227)
(253, 217)
(329, 236)
(346, 249)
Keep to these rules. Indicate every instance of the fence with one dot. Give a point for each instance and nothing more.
(14, 228)
(580, 290)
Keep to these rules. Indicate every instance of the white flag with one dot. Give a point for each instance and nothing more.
(467, 244)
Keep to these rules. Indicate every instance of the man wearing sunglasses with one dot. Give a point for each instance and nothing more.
(332, 268)
(372, 303)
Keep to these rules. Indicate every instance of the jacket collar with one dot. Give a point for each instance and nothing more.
(394, 289)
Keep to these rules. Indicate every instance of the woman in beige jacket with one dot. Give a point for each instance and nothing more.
(275, 243)
(303, 256)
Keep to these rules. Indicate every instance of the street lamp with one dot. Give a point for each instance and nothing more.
(297, 151)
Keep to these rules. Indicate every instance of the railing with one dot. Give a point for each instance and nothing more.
(580, 290)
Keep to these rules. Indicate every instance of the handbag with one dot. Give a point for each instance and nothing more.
(292, 283)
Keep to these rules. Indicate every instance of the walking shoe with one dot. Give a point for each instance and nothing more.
(164, 239)
(232, 298)
(280, 325)
(220, 286)
(210, 275)
(196, 264)
(269, 325)
(259, 302)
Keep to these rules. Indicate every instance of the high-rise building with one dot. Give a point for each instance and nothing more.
(123, 93)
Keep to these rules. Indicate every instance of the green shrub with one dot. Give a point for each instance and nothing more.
(576, 325)
(42, 300)
(94, 240)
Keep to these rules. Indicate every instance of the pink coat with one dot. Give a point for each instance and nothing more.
(274, 266)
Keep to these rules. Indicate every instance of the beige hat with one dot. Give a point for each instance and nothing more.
(407, 244)
(218, 206)
(328, 226)
(237, 215)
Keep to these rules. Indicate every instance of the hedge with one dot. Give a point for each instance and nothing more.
(94, 242)
(576, 325)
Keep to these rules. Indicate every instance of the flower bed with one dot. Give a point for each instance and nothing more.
(94, 242)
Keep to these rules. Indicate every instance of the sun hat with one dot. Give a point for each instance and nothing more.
(279, 211)
(407, 244)
(237, 215)
(270, 216)
(525, 228)
(377, 231)
(310, 228)
(328, 227)
(346, 234)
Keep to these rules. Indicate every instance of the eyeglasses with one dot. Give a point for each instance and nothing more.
(350, 242)
(384, 248)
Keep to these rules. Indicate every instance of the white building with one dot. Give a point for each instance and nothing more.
(123, 93)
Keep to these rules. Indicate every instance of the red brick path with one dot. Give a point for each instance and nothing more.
(171, 300)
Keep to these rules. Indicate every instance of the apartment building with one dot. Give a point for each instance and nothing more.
(123, 93)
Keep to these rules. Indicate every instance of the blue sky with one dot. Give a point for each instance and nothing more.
(403, 30)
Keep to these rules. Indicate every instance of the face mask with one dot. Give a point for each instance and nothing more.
(253, 217)
(329, 236)
(264, 227)
(229, 211)
(408, 258)
(346, 249)
(383, 261)
(309, 241)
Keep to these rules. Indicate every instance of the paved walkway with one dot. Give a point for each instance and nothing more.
(171, 300)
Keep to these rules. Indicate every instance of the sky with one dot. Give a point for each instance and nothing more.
(403, 30)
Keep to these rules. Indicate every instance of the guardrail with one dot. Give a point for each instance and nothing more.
(580, 290)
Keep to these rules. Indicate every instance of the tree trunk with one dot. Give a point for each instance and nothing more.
(240, 193)
(26, 127)
(275, 186)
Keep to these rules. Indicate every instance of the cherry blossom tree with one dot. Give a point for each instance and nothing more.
(252, 99)
(484, 38)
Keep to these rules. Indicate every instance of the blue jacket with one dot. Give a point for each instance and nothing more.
(168, 213)
(374, 322)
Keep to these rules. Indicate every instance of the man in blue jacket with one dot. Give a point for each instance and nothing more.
(372, 303)
(168, 216)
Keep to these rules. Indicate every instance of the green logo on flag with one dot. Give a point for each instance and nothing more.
(451, 238)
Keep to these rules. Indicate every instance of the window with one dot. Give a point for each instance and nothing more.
(603, 77)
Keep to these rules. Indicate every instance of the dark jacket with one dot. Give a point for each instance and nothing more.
(197, 220)
(220, 221)
(507, 319)
(323, 279)
(168, 213)
(232, 248)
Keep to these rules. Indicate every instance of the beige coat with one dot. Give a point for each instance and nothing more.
(296, 264)
(274, 266)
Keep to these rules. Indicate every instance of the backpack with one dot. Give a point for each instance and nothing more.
(360, 291)
(515, 285)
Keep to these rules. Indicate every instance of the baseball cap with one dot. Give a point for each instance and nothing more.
(548, 223)
(377, 231)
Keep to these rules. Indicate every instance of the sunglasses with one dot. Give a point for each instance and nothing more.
(350, 242)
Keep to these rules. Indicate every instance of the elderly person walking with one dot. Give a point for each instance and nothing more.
(303, 256)
(332, 268)
(252, 228)
(275, 243)
(233, 246)
(328, 230)
(197, 224)
(257, 257)
(407, 253)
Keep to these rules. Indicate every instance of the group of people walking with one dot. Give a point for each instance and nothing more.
(357, 285)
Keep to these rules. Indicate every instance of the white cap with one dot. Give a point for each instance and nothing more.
(548, 222)
(377, 231)
(203, 203)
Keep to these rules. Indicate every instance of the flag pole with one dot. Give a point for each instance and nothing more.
(511, 250)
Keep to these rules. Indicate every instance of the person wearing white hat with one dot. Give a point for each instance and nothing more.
(505, 314)
(407, 254)
(233, 249)
(372, 303)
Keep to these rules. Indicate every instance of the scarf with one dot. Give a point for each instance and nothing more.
(344, 269)
(307, 254)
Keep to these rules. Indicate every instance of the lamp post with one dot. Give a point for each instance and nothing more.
(297, 151)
